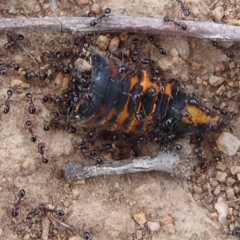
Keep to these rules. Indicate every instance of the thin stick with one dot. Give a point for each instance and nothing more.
(166, 162)
(26, 51)
(155, 26)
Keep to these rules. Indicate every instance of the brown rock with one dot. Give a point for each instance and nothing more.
(206, 186)
(217, 190)
(216, 80)
(230, 193)
(140, 218)
(59, 80)
(123, 36)
(220, 67)
(16, 83)
(82, 2)
(235, 169)
(114, 44)
(221, 166)
(95, 8)
(221, 176)
(76, 238)
(230, 181)
(82, 65)
(196, 66)
(102, 42)
(167, 219)
(221, 90)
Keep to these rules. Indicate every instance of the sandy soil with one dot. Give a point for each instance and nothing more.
(115, 207)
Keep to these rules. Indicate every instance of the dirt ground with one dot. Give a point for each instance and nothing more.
(109, 207)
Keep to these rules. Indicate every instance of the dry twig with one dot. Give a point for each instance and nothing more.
(156, 26)
(167, 162)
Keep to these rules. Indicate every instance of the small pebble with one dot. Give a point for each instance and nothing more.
(228, 143)
(217, 190)
(233, 107)
(235, 169)
(206, 186)
(218, 13)
(216, 80)
(232, 74)
(27, 163)
(95, 8)
(199, 80)
(197, 189)
(167, 219)
(82, 2)
(222, 208)
(16, 83)
(221, 90)
(196, 66)
(230, 181)
(140, 218)
(196, 197)
(236, 189)
(76, 238)
(213, 182)
(102, 42)
(114, 44)
(59, 79)
(153, 226)
(82, 65)
(139, 234)
(221, 176)
(209, 199)
(230, 193)
(214, 215)
(26, 237)
(232, 65)
(221, 166)
(123, 36)
(220, 67)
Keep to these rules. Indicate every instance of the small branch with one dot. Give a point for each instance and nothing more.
(166, 162)
(155, 26)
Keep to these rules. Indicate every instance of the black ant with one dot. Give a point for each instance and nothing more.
(41, 150)
(105, 13)
(70, 129)
(177, 147)
(38, 75)
(180, 85)
(12, 42)
(7, 102)
(98, 161)
(205, 165)
(16, 209)
(225, 51)
(86, 236)
(182, 25)
(161, 50)
(31, 108)
(236, 232)
(29, 126)
(45, 209)
(13, 66)
(106, 147)
(185, 10)
(3, 71)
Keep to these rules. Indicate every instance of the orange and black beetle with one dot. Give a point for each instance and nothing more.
(112, 99)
